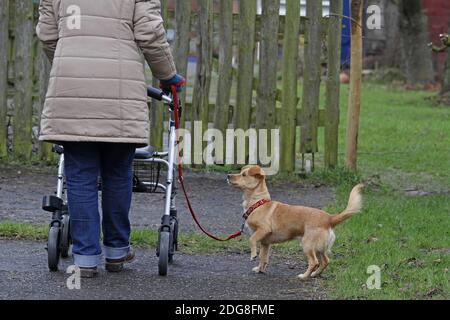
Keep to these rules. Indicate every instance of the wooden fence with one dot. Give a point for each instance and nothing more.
(222, 36)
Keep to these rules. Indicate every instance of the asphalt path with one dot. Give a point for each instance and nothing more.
(224, 276)
(23, 275)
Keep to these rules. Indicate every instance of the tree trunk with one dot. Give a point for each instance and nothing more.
(416, 56)
(23, 105)
(391, 58)
(4, 52)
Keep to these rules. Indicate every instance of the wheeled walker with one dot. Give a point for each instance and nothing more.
(148, 166)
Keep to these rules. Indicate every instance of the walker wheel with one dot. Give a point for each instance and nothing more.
(163, 251)
(65, 236)
(53, 249)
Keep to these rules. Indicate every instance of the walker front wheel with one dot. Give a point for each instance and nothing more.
(163, 252)
(53, 248)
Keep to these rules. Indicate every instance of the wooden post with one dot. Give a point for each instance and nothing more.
(4, 53)
(181, 44)
(333, 85)
(200, 99)
(23, 105)
(354, 102)
(221, 113)
(267, 87)
(246, 40)
(311, 77)
(12, 26)
(290, 75)
(156, 108)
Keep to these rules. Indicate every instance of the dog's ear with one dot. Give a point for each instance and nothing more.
(256, 171)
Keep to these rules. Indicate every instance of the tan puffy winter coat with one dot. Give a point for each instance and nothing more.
(97, 87)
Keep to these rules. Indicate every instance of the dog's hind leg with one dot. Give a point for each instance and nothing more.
(324, 245)
(309, 244)
(323, 264)
(263, 258)
(313, 264)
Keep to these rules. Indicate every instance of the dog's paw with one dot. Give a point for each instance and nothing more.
(303, 277)
(253, 257)
(315, 274)
(257, 270)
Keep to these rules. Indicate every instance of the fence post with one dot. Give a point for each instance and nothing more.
(267, 87)
(354, 103)
(289, 69)
(311, 76)
(181, 44)
(333, 85)
(221, 112)
(156, 108)
(246, 41)
(200, 99)
(4, 53)
(23, 105)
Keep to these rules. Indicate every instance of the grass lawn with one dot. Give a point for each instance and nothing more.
(404, 143)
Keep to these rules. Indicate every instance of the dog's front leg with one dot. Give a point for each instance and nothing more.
(254, 240)
(263, 259)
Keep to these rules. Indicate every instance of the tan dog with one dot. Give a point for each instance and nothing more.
(275, 222)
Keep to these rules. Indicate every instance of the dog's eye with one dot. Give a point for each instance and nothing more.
(244, 174)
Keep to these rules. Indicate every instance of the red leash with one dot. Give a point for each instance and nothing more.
(181, 179)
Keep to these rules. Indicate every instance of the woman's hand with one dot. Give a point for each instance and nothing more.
(177, 80)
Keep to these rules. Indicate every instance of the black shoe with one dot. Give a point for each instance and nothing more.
(88, 272)
(116, 265)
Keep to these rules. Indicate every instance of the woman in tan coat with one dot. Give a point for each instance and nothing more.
(96, 107)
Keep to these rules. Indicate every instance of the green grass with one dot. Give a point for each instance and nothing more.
(404, 141)
(407, 237)
(22, 231)
(190, 242)
(402, 134)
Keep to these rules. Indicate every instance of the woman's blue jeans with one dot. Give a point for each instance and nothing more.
(84, 163)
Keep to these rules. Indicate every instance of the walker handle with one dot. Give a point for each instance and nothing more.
(158, 94)
(155, 93)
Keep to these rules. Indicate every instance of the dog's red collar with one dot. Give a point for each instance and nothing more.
(254, 207)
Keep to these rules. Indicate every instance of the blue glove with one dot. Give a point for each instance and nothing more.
(177, 81)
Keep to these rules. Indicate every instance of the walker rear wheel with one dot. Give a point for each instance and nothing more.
(65, 236)
(173, 238)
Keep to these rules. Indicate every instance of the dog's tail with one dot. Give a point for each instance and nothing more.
(354, 205)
